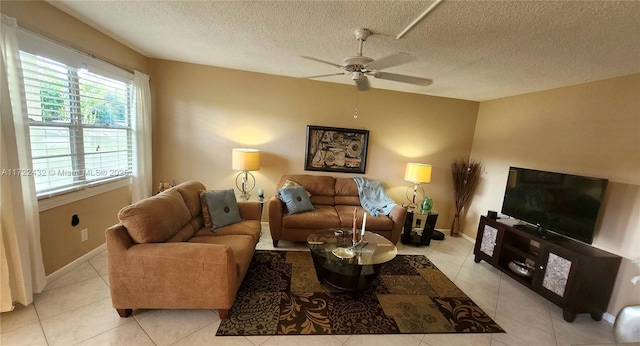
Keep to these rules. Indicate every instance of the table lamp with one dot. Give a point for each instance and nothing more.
(417, 173)
(245, 160)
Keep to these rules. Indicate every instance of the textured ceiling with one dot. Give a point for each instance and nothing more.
(473, 50)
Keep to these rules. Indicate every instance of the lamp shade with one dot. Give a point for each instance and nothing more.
(417, 173)
(245, 159)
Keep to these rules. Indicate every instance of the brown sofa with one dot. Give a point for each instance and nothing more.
(161, 257)
(334, 200)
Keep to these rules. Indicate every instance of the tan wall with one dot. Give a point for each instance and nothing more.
(61, 242)
(201, 113)
(590, 129)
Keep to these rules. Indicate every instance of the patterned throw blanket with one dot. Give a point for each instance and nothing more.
(373, 197)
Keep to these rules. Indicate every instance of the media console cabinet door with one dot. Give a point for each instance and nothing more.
(556, 274)
(576, 277)
(489, 238)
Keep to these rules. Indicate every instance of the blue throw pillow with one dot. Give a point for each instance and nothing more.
(223, 208)
(296, 199)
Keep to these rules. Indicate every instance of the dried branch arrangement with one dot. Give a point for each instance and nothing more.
(466, 176)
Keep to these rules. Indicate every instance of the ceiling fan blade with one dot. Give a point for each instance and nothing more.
(363, 83)
(322, 61)
(388, 61)
(327, 75)
(402, 78)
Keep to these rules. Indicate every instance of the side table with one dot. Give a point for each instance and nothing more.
(262, 202)
(411, 237)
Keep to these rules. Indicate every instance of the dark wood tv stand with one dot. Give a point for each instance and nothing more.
(577, 277)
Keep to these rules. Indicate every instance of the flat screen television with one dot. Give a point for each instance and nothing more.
(565, 204)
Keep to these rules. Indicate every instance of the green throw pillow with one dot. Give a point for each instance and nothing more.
(222, 207)
(296, 199)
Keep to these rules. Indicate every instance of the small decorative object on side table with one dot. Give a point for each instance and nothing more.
(164, 186)
(427, 204)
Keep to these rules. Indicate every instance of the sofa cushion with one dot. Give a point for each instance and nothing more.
(321, 187)
(325, 200)
(242, 246)
(251, 228)
(346, 187)
(347, 192)
(206, 216)
(185, 233)
(190, 192)
(374, 223)
(222, 208)
(348, 200)
(296, 199)
(157, 219)
(288, 184)
(323, 217)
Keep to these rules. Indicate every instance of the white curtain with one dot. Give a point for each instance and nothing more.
(142, 183)
(21, 268)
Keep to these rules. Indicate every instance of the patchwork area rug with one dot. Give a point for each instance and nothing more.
(281, 295)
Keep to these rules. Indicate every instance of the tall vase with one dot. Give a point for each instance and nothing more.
(455, 226)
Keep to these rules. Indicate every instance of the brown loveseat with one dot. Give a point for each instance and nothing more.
(334, 200)
(161, 257)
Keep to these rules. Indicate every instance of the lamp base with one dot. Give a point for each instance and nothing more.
(245, 185)
(414, 192)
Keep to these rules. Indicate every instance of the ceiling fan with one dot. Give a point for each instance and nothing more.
(360, 66)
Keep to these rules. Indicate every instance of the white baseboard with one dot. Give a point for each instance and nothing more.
(608, 317)
(73, 265)
(464, 236)
(472, 240)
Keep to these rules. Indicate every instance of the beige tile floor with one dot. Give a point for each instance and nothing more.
(76, 309)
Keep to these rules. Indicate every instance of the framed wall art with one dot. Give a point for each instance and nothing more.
(334, 149)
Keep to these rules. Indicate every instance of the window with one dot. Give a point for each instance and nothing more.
(80, 124)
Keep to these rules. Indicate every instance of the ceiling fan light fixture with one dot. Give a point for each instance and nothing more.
(356, 75)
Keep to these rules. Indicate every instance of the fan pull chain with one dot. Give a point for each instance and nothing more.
(355, 114)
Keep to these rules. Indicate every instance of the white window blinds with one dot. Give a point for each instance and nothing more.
(80, 125)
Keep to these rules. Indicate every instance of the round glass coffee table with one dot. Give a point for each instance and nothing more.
(349, 269)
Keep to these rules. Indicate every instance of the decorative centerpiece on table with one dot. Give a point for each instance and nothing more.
(466, 175)
(358, 237)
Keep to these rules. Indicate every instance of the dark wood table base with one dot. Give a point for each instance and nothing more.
(345, 276)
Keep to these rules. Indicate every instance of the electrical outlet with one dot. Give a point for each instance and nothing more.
(84, 235)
